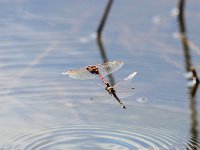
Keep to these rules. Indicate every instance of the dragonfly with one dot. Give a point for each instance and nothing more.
(92, 71)
(120, 89)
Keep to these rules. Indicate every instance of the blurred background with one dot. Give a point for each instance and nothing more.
(42, 109)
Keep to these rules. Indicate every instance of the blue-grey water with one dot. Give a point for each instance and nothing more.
(40, 109)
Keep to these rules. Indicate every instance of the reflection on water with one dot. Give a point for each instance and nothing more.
(193, 142)
(104, 18)
(105, 59)
(99, 38)
(41, 109)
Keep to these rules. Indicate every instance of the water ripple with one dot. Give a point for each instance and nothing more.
(97, 137)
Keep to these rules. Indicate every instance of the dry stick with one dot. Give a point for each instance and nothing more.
(99, 40)
(105, 59)
(103, 19)
(184, 40)
(193, 141)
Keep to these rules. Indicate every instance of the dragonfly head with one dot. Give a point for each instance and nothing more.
(92, 69)
(110, 90)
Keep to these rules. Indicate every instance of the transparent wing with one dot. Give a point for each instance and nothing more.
(124, 83)
(81, 74)
(110, 99)
(123, 88)
(104, 69)
(103, 98)
(109, 67)
(123, 93)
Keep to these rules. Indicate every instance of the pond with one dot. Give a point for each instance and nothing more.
(42, 109)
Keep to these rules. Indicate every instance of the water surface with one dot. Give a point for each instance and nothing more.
(42, 109)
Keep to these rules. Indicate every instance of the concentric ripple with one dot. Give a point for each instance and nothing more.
(95, 137)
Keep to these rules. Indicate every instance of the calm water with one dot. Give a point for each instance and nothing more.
(42, 109)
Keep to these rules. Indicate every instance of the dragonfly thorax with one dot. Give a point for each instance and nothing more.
(110, 90)
(92, 69)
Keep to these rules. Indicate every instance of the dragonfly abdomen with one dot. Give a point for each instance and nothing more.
(103, 79)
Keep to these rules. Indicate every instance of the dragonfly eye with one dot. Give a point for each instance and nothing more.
(92, 69)
(112, 90)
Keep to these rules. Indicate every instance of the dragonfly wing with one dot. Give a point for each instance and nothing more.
(105, 98)
(125, 82)
(123, 93)
(109, 67)
(81, 74)
(123, 88)
(130, 77)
